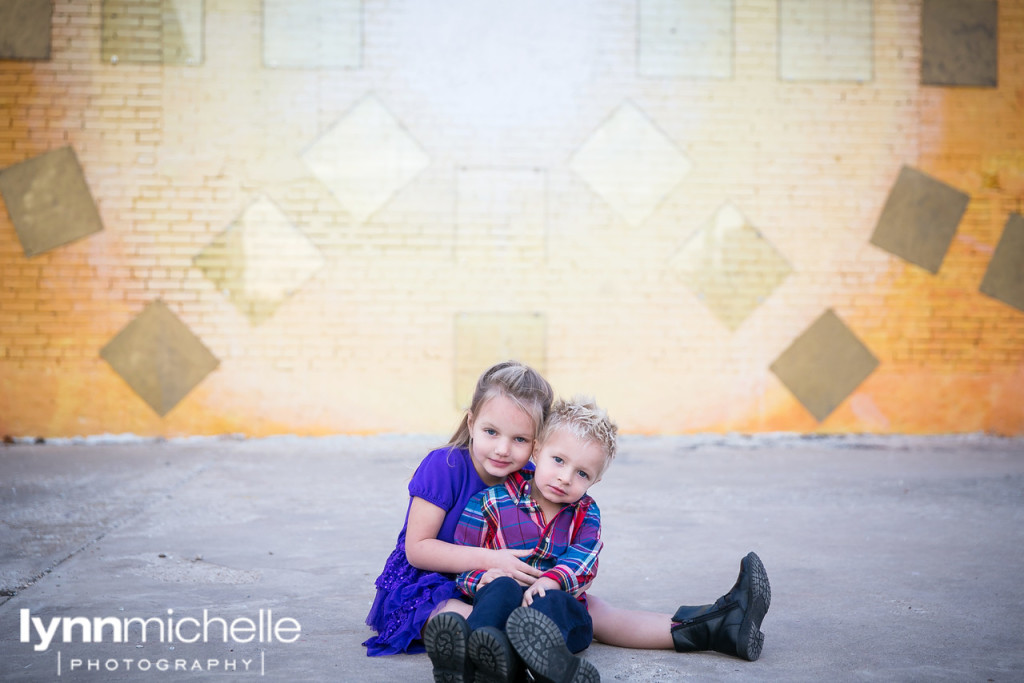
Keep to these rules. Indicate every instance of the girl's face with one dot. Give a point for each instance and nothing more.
(502, 439)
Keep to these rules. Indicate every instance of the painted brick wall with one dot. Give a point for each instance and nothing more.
(355, 235)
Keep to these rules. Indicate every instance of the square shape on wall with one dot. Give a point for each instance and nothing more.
(25, 29)
(959, 45)
(1004, 278)
(920, 218)
(159, 357)
(730, 266)
(260, 260)
(483, 339)
(630, 164)
(168, 32)
(48, 201)
(501, 213)
(313, 34)
(826, 40)
(824, 365)
(685, 39)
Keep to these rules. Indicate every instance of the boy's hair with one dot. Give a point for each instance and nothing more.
(520, 383)
(586, 420)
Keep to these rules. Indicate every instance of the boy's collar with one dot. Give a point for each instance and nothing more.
(519, 484)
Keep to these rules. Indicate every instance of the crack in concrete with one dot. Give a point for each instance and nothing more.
(118, 523)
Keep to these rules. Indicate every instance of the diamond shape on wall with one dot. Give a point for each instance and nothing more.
(630, 164)
(314, 34)
(730, 266)
(159, 357)
(25, 29)
(825, 40)
(483, 339)
(1004, 278)
(152, 32)
(959, 43)
(920, 219)
(49, 201)
(260, 260)
(824, 365)
(365, 158)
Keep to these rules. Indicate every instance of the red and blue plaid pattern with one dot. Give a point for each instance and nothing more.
(504, 516)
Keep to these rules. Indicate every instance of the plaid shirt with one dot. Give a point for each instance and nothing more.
(504, 516)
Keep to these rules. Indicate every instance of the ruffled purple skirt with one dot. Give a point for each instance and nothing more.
(405, 598)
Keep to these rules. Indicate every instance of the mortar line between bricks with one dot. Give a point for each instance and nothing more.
(118, 523)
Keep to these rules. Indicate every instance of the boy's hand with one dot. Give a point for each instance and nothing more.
(538, 589)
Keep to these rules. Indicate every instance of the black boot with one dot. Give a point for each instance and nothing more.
(492, 656)
(540, 644)
(446, 637)
(733, 624)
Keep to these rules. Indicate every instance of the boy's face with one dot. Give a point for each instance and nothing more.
(566, 468)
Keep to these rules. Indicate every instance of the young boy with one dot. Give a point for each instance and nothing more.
(547, 511)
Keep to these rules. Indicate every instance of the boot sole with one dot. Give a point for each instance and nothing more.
(539, 642)
(750, 640)
(492, 655)
(445, 638)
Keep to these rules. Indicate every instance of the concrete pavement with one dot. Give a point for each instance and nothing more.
(890, 558)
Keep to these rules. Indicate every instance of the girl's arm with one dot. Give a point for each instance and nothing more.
(425, 551)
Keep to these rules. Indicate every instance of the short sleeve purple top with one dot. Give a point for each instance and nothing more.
(446, 478)
(407, 595)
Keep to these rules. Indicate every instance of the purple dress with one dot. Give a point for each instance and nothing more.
(406, 595)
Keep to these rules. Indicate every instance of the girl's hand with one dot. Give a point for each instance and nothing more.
(508, 561)
(491, 575)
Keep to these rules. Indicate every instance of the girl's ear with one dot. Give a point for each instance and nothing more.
(469, 419)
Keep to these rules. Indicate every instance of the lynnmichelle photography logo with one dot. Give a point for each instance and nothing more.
(171, 630)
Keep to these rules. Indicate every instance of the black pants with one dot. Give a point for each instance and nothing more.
(495, 601)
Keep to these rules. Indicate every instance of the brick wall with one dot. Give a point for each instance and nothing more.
(470, 181)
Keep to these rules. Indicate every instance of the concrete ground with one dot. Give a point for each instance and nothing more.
(895, 559)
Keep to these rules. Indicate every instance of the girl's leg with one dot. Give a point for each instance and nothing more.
(630, 628)
(731, 625)
(452, 605)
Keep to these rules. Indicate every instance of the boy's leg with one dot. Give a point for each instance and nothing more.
(570, 616)
(494, 602)
(542, 645)
(489, 648)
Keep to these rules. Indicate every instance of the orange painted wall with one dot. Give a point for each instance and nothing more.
(173, 155)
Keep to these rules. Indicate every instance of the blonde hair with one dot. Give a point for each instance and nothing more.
(585, 420)
(518, 382)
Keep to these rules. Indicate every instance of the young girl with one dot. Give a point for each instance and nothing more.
(496, 437)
